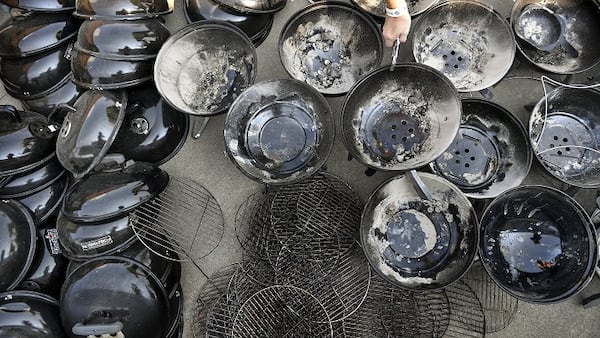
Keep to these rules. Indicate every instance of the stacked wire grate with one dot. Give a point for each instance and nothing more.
(303, 274)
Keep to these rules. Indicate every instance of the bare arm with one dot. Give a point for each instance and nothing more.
(396, 27)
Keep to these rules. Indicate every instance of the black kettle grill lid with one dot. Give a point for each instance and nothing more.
(22, 146)
(138, 251)
(122, 40)
(29, 314)
(121, 9)
(105, 195)
(114, 294)
(29, 182)
(88, 130)
(37, 75)
(88, 240)
(256, 26)
(65, 93)
(152, 130)
(48, 270)
(45, 202)
(17, 242)
(42, 5)
(101, 73)
(36, 33)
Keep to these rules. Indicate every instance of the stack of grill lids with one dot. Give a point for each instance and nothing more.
(255, 18)
(35, 45)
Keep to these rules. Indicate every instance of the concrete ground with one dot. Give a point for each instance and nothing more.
(204, 160)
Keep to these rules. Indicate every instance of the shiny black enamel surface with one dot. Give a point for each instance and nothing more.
(89, 129)
(88, 240)
(48, 270)
(279, 131)
(36, 33)
(115, 289)
(27, 314)
(132, 40)
(33, 76)
(67, 92)
(120, 9)
(42, 5)
(32, 181)
(168, 271)
(254, 25)
(45, 203)
(94, 72)
(106, 195)
(152, 130)
(413, 243)
(17, 243)
(538, 244)
(20, 149)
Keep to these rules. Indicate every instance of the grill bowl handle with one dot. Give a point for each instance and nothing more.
(81, 329)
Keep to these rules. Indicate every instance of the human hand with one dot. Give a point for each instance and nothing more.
(394, 28)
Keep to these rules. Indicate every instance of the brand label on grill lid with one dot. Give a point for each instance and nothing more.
(97, 243)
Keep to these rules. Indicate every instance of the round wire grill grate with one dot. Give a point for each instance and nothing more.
(185, 218)
(408, 314)
(282, 311)
(467, 318)
(212, 292)
(252, 224)
(388, 311)
(316, 219)
(498, 306)
(341, 290)
(251, 276)
(435, 306)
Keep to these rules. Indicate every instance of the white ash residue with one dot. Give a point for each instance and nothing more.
(211, 79)
(558, 60)
(397, 196)
(327, 53)
(532, 30)
(459, 51)
(409, 101)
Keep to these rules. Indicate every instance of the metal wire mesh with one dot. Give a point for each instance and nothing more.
(186, 215)
(498, 306)
(282, 311)
(210, 293)
(343, 289)
(467, 318)
(329, 206)
(316, 219)
(251, 276)
(253, 224)
(388, 311)
(435, 306)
